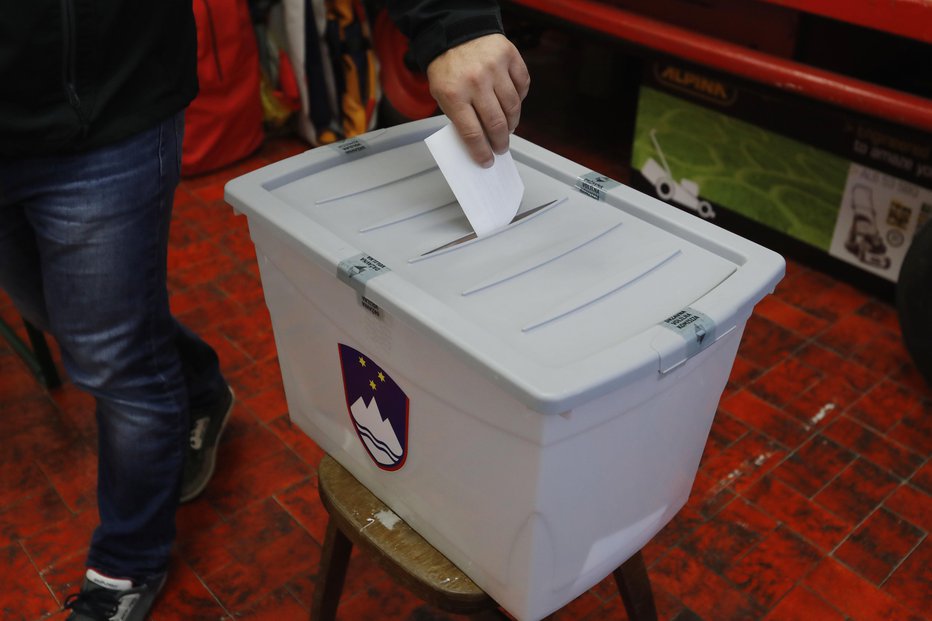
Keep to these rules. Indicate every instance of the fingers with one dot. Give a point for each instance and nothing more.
(494, 119)
(471, 130)
(480, 85)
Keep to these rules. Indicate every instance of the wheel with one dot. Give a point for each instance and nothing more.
(914, 300)
(705, 210)
(665, 188)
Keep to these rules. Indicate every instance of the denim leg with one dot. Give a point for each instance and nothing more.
(100, 224)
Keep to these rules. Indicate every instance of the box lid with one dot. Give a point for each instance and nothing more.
(592, 285)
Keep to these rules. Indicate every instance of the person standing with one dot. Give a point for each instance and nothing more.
(91, 124)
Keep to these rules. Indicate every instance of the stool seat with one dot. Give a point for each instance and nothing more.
(367, 522)
(358, 517)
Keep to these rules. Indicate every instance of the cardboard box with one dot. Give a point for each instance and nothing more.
(819, 183)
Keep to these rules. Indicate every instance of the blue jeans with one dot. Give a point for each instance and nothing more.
(83, 248)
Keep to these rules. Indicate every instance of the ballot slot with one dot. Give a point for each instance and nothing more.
(460, 241)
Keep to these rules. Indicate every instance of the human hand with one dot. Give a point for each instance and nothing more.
(480, 85)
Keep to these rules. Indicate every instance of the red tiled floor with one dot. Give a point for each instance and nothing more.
(812, 501)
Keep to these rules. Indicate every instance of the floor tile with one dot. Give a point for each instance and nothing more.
(267, 405)
(885, 405)
(785, 380)
(748, 407)
(269, 549)
(302, 502)
(836, 368)
(244, 483)
(185, 597)
(912, 504)
(743, 463)
(848, 334)
(923, 478)
(701, 589)
(854, 596)
(251, 334)
(73, 474)
(772, 568)
(725, 431)
(879, 545)
(815, 524)
(891, 456)
(766, 343)
(742, 372)
(729, 535)
(277, 606)
(381, 598)
(814, 465)
(911, 583)
(297, 440)
(24, 596)
(63, 539)
(884, 353)
(65, 576)
(914, 430)
(801, 604)
(857, 490)
(791, 317)
(19, 476)
(30, 515)
(835, 301)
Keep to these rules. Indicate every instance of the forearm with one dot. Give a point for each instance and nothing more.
(435, 26)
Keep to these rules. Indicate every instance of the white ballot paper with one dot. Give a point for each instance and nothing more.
(490, 197)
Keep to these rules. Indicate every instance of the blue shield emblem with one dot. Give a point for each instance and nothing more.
(377, 407)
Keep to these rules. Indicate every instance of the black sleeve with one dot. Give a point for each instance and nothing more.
(434, 26)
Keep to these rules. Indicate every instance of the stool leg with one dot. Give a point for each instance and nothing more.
(40, 348)
(634, 586)
(334, 561)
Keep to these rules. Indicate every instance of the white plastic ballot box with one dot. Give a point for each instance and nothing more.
(534, 402)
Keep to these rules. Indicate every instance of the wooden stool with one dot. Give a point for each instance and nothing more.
(357, 517)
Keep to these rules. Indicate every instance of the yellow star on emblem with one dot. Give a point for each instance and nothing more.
(362, 361)
(381, 376)
(372, 384)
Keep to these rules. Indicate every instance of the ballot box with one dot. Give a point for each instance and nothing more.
(535, 401)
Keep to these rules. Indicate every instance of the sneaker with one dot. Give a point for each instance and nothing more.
(110, 599)
(207, 425)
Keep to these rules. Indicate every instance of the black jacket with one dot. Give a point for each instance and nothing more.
(79, 74)
(434, 26)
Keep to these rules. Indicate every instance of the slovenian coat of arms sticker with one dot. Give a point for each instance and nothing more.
(378, 408)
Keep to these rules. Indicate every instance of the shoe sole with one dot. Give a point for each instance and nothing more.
(212, 454)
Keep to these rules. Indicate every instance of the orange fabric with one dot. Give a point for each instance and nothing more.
(224, 122)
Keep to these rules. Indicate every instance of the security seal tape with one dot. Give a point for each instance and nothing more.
(595, 185)
(350, 146)
(356, 271)
(697, 329)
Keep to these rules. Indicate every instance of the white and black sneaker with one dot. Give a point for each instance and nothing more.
(207, 425)
(112, 599)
